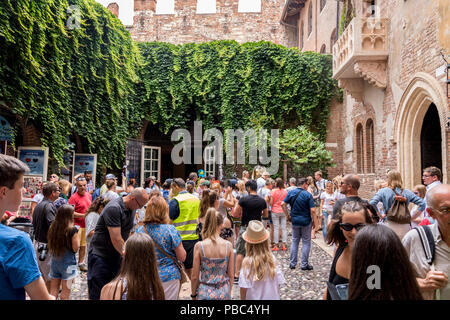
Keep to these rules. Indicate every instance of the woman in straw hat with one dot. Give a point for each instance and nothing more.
(260, 277)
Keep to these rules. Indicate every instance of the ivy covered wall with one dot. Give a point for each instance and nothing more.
(94, 82)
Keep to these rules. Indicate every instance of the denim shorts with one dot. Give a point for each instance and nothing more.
(65, 267)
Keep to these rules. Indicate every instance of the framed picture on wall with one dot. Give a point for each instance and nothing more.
(36, 158)
(85, 162)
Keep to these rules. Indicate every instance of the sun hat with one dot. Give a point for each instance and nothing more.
(255, 233)
(205, 183)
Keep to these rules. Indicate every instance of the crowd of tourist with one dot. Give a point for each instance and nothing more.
(145, 242)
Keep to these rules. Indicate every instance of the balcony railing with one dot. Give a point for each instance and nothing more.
(361, 52)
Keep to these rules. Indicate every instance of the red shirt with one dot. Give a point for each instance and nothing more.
(82, 203)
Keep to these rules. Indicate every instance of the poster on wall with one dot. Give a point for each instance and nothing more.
(85, 162)
(36, 158)
(32, 186)
(5, 130)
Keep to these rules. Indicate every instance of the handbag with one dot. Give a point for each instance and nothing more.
(180, 266)
(399, 212)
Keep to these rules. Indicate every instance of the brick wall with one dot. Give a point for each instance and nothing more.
(186, 26)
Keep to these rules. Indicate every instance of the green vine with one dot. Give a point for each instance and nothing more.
(96, 83)
(70, 81)
(230, 86)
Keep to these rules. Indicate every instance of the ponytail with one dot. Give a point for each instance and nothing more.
(204, 204)
(213, 221)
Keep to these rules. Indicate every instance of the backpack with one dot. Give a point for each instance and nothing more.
(427, 239)
(399, 212)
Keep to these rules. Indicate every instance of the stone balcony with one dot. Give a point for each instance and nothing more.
(361, 53)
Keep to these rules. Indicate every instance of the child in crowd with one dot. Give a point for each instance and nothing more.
(63, 243)
(260, 277)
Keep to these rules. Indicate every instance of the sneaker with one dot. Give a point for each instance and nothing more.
(83, 267)
(292, 267)
(283, 247)
(275, 248)
(308, 267)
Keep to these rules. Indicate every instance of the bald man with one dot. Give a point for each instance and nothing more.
(433, 279)
(350, 184)
(107, 244)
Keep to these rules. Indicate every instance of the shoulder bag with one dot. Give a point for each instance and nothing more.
(179, 265)
(399, 212)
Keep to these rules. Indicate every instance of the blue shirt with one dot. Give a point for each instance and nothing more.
(168, 238)
(18, 263)
(301, 209)
(386, 196)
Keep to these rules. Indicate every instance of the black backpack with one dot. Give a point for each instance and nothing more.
(427, 239)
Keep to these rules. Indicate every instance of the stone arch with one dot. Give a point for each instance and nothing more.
(323, 48)
(359, 147)
(370, 145)
(422, 91)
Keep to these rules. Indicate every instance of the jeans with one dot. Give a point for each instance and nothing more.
(279, 218)
(324, 224)
(100, 273)
(305, 234)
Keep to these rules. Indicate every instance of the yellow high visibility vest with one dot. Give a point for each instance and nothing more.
(186, 223)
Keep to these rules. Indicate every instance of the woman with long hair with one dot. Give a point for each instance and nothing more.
(341, 232)
(377, 245)
(91, 218)
(278, 217)
(213, 262)
(65, 187)
(63, 243)
(389, 194)
(327, 200)
(167, 242)
(260, 276)
(210, 199)
(138, 278)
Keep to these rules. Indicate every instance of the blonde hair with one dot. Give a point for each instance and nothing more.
(213, 221)
(394, 179)
(157, 210)
(421, 189)
(261, 260)
(65, 186)
(215, 187)
(241, 185)
(378, 184)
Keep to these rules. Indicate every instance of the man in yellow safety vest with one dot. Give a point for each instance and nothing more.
(184, 212)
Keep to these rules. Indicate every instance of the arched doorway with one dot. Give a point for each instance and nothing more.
(423, 107)
(431, 139)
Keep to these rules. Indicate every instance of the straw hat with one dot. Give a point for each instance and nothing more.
(255, 233)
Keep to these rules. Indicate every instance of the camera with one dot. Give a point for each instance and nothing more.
(43, 250)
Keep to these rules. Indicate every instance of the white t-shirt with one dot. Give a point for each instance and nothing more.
(326, 197)
(38, 197)
(260, 183)
(267, 289)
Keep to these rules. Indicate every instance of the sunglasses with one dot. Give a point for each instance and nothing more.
(349, 227)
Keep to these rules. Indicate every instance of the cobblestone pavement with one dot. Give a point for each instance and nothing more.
(300, 285)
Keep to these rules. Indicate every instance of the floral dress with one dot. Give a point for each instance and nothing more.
(214, 280)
